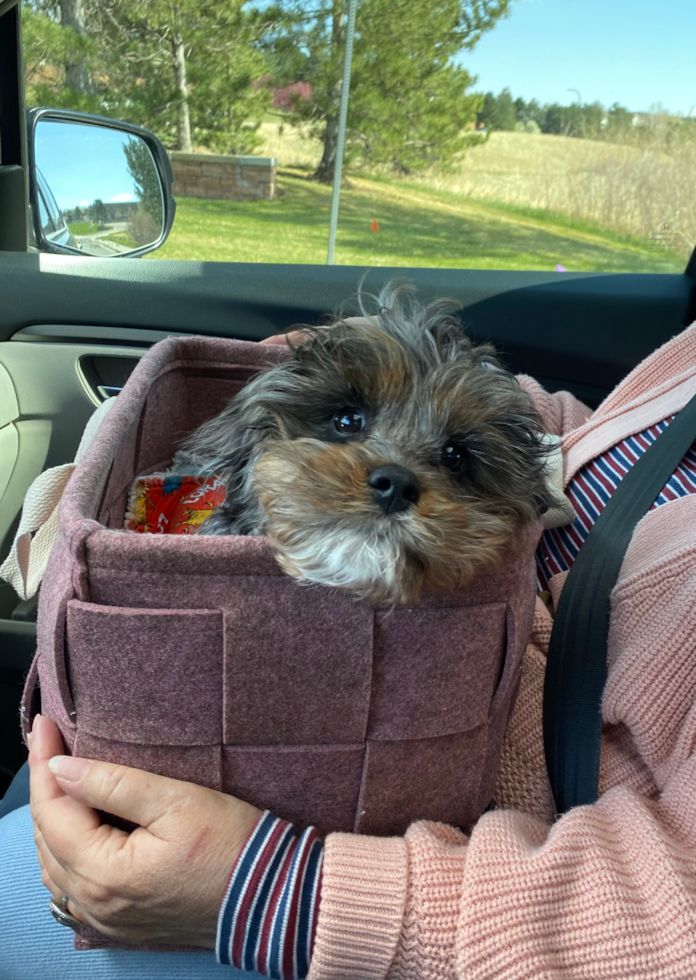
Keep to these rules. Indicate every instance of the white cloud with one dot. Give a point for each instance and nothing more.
(84, 204)
(122, 198)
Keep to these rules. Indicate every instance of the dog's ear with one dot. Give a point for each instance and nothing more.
(523, 480)
(227, 446)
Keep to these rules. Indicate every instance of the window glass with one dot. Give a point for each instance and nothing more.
(50, 204)
(47, 224)
(488, 134)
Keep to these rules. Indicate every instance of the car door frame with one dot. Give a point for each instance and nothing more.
(14, 183)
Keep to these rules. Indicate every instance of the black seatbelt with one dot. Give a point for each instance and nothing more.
(576, 664)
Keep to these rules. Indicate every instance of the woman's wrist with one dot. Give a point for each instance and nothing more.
(267, 920)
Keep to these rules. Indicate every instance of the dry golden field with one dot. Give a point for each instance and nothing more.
(292, 145)
(646, 192)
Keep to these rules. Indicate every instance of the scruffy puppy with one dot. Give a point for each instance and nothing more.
(385, 454)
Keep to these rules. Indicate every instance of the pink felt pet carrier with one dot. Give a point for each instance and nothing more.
(198, 658)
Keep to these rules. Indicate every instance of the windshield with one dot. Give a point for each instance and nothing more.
(487, 134)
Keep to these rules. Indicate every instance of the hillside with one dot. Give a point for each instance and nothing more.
(418, 226)
(645, 193)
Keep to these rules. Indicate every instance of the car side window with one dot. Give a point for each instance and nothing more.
(47, 224)
(478, 135)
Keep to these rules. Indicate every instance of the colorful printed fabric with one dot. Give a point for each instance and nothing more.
(268, 918)
(170, 503)
(592, 487)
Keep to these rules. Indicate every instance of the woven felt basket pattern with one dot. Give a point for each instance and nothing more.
(198, 658)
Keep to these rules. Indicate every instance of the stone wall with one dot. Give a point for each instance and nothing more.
(224, 178)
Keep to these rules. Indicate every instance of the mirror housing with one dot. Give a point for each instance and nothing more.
(127, 181)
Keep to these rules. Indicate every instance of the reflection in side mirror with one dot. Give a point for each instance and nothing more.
(98, 187)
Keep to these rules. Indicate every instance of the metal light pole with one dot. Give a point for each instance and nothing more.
(577, 93)
(343, 115)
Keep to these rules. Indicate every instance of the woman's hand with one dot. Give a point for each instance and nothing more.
(297, 337)
(162, 883)
(292, 339)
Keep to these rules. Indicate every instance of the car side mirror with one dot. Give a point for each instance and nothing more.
(97, 186)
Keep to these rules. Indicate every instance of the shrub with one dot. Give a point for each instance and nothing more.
(530, 126)
(143, 229)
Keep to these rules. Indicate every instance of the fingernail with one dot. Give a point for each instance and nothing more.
(33, 728)
(68, 769)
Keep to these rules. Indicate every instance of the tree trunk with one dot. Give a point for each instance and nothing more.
(72, 14)
(325, 170)
(183, 122)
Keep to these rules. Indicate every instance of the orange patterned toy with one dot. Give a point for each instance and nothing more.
(171, 503)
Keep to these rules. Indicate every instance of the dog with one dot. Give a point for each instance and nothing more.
(387, 454)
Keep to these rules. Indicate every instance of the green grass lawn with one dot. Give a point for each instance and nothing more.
(418, 227)
(121, 238)
(82, 227)
(86, 227)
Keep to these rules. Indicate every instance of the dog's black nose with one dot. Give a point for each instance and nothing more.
(395, 488)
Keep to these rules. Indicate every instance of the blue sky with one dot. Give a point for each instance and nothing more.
(636, 52)
(82, 163)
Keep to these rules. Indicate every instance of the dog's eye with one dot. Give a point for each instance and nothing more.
(349, 421)
(452, 456)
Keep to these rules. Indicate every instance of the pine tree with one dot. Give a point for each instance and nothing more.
(183, 69)
(72, 16)
(499, 112)
(145, 177)
(57, 59)
(409, 102)
(98, 212)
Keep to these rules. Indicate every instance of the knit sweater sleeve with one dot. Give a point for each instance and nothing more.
(608, 890)
(561, 412)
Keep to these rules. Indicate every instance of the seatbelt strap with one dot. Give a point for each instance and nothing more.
(577, 659)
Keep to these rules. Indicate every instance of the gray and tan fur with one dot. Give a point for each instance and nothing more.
(431, 401)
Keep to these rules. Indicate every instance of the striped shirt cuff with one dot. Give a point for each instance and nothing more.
(267, 921)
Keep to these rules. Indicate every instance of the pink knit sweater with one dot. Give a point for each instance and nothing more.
(606, 891)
